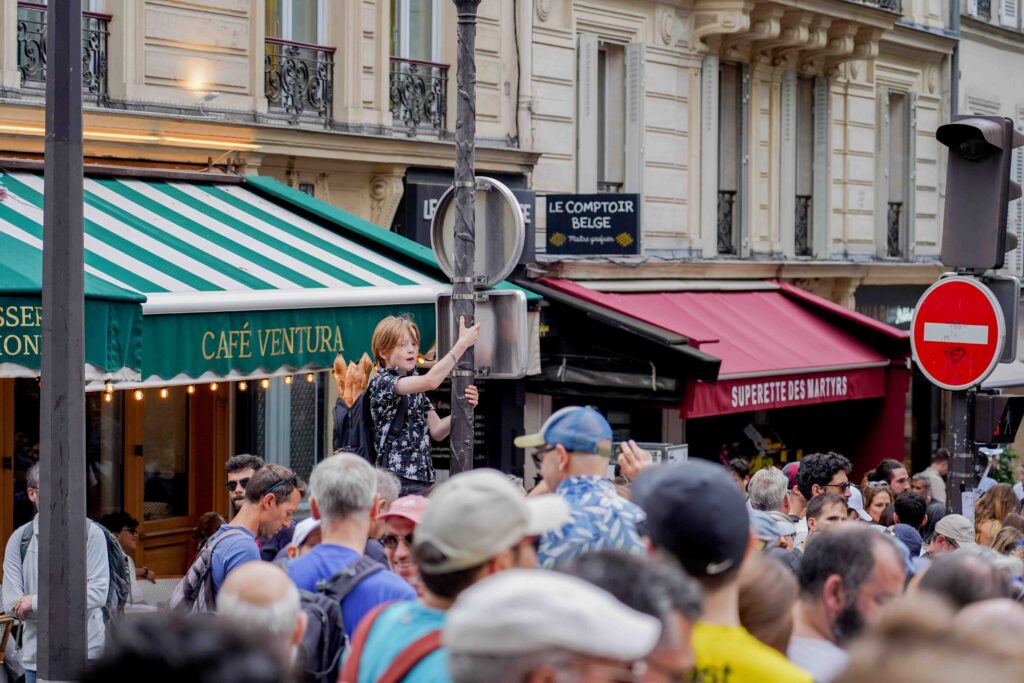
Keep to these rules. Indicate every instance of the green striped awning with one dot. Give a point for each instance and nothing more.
(236, 282)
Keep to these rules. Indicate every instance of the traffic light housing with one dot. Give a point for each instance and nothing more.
(978, 189)
(997, 418)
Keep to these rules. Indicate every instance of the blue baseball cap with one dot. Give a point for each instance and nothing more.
(577, 429)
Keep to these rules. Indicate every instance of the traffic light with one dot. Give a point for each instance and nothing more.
(978, 189)
(997, 417)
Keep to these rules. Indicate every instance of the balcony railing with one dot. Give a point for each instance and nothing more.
(894, 234)
(803, 225)
(891, 5)
(985, 9)
(32, 49)
(727, 222)
(419, 94)
(299, 80)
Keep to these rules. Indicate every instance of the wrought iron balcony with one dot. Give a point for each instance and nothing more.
(31, 27)
(299, 80)
(419, 92)
(727, 222)
(803, 225)
(891, 5)
(985, 9)
(894, 232)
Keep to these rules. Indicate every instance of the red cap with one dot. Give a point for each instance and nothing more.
(407, 507)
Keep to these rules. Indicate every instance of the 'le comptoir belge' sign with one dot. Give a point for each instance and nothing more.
(593, 224)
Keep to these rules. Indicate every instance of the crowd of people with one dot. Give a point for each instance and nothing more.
(696, 571)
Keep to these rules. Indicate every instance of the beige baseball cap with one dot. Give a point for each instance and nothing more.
(476, 515)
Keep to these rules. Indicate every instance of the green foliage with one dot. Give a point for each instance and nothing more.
(1004, 466)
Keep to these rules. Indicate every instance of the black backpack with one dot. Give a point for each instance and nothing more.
(325, 640)
(353, 426)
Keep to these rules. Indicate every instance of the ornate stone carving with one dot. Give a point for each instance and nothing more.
(668, 24)
(765, 25)
(386, 191)
(543, 8)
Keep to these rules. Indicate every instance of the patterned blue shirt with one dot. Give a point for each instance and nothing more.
(600, 519)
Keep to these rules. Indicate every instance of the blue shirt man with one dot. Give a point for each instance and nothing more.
(326, 560)
(231, 552)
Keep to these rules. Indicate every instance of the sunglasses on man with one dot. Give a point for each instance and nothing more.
(232, 485)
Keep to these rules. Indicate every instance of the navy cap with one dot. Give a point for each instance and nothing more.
(696, 513)
(577, 429)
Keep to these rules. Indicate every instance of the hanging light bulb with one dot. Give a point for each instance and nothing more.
(138, 394)
(108, 387)
(287, 379)
(191, 389)
(242, 386)
(108, 397)
(264, 383)
(310, 377)
(213, 386)
(164, 393)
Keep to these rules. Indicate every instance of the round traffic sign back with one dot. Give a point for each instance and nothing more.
(957, 333)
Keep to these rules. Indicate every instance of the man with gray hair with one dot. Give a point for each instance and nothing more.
(342, 495)
(259, 599)
(388, 488)
(768, 490)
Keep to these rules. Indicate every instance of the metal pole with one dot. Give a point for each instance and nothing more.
(958, 437)
(463, 286)
(62, 532)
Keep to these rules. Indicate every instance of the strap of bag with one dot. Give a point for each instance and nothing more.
(203, 564)
(350, 672)
(345, 581)
(408, 658)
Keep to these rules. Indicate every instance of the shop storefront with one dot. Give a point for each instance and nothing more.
(250, 291)
(797, 373)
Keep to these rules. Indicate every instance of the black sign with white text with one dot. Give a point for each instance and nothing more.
(606, 224)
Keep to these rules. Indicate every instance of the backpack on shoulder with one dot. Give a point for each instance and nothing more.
(119, 586)
(194, 593)
(353, 426)
(406, 660)
(325, 640)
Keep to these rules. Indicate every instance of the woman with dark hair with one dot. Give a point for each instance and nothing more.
(877, 497)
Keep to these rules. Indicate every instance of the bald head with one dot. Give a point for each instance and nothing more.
(258, 597)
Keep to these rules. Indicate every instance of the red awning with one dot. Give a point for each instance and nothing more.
(776, 349)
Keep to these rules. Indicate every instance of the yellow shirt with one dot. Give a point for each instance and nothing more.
(729, 654)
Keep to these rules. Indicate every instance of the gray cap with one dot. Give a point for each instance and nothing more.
(476, 515)
(956, 528)
(521, 611)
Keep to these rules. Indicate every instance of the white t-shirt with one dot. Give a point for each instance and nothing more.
(822, 658)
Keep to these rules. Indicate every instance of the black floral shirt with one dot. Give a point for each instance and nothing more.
(408, 453)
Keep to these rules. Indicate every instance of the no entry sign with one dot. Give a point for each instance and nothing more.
(957, 333)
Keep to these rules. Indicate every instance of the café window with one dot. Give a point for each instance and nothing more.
(165, 453)
(284, 420)
(104, 446)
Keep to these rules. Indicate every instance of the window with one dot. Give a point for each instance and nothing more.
(414, 29)
(897, 133)
(301, 21)
(731, 82)
(165, 454)
(609, 116)
(285, 421)
(804, 219)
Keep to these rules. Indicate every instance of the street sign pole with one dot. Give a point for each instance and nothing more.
(62, 531)
(958, 438)
(463, 280)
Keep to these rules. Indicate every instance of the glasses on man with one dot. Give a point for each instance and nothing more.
(232, 485)
(390, 541)
(843, 487)
(538, 455)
